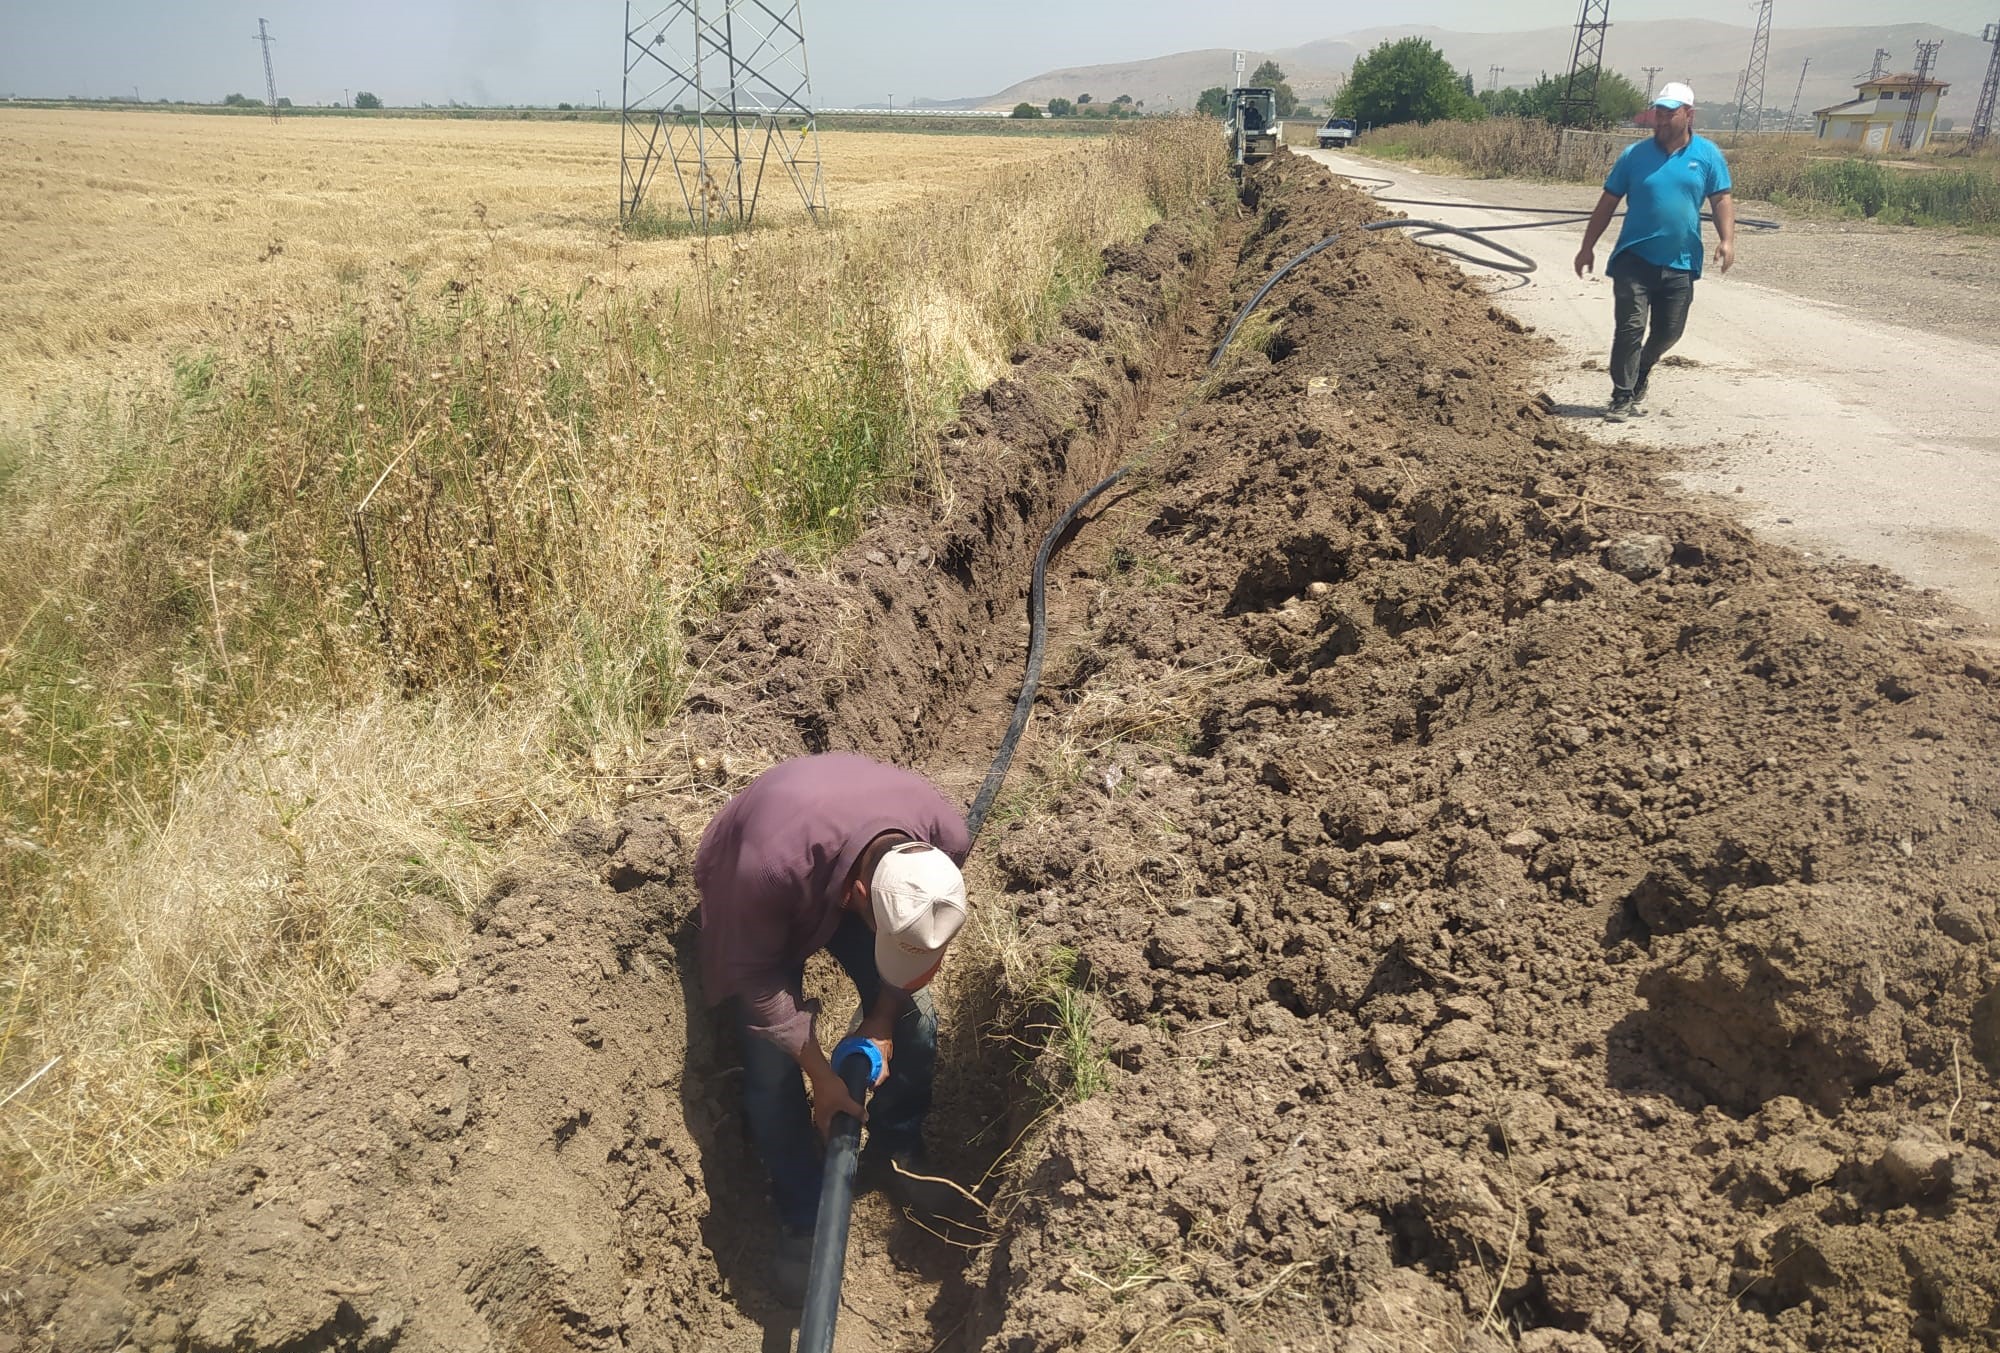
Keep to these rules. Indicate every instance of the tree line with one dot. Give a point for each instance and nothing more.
(1409, 80)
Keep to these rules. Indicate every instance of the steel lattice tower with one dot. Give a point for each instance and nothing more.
(1750, 92)
(1792, 117)
(1881, 55)
(270, 80)
(1927, 51)
(1579, 100)
(1982, 117)
(718, 91)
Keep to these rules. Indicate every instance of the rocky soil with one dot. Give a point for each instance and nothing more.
(1479, 901)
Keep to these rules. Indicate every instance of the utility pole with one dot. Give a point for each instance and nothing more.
(1982, 117)
(1791, 118)
(1651, 73)
(1579, 101)
(1750, 92)
(1881, 55)
(270, 80)
(1927, 50)
(1493, 74)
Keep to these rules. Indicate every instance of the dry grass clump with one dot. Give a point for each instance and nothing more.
(293, 642)
(1496, 147)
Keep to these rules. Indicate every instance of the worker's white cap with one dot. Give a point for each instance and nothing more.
(919, 900)
(1673, 94)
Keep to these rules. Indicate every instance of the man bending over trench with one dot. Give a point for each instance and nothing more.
(861, 859)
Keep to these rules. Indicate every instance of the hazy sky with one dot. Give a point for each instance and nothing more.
(543, 51)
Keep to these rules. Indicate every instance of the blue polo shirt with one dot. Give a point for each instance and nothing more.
(1663, 196)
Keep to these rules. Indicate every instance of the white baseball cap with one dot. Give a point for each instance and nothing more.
(1673, 94)
(919, 900)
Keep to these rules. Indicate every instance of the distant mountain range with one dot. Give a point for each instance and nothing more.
(1708, 56)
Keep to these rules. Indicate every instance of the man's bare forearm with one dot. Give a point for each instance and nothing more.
(1600, 218)
(812, 1061)
(1724, 207)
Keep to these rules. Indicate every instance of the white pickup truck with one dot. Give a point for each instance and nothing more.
(1337, 134)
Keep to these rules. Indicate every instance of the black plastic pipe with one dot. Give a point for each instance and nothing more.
(1024, 704)
(856, 1062)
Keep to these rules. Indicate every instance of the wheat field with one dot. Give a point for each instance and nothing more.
(128, 233)
(360, 483)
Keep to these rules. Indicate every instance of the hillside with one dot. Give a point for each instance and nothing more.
(1709, 56)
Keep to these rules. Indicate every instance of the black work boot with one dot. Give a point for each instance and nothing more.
(1620, 407)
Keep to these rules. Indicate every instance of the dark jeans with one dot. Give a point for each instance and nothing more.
(774, 1092)
(1641, 289)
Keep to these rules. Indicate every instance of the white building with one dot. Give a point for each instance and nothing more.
(1876, 118)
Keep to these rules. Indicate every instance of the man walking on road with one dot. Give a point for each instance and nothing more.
(1663, 181)
(845, 854)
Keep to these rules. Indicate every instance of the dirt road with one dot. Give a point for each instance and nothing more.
(1807, 401)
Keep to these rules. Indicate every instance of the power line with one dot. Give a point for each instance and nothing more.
(1579, 100)
(1982, 119)
(1792, 118)
(1750, 90)
(1652, 72)
(270, 80)
(721, 96)
(1927, 50)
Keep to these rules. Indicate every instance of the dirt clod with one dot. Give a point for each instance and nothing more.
(1639, 557)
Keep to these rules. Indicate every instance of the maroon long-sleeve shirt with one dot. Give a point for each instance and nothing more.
(772, 865)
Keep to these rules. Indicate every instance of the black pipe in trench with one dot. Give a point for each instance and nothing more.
(855, 1068)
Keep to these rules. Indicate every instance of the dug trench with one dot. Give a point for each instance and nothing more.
(1454, 894)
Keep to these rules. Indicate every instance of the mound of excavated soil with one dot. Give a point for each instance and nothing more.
(1511, 908)
(1573, 920)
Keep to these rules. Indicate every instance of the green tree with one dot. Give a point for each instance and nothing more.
(1405, 81)
(1214, 101)
(1083, 99)
(1061, 107)
(1025, 110)
(1268, 76)
(241, 101)
(1617, 99)
(363, 99)
(1122, 101)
